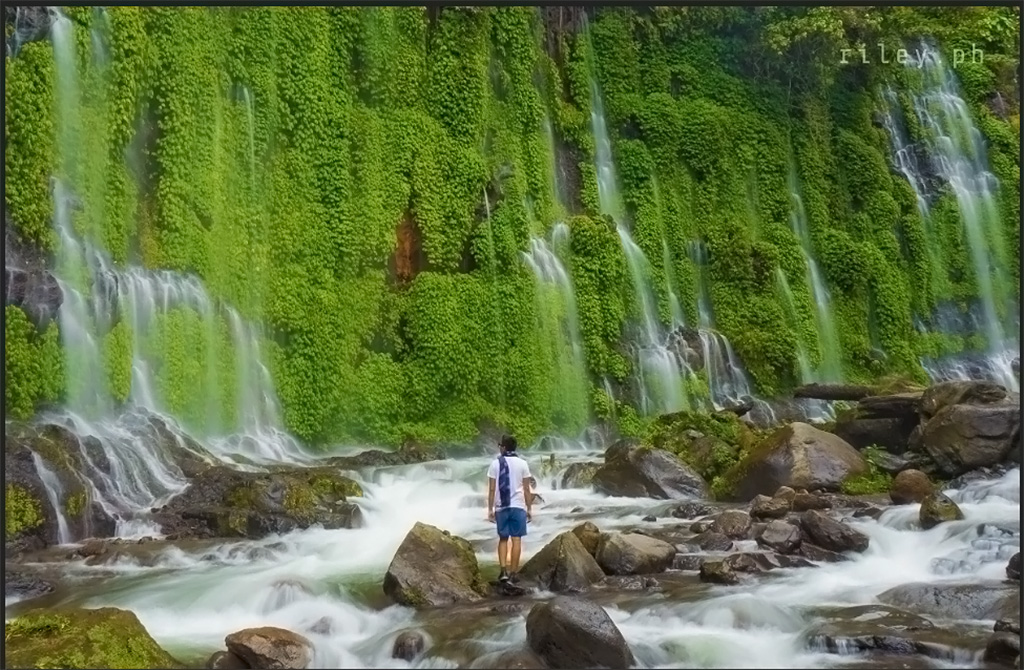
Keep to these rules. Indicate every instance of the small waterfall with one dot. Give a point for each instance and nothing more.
(549, 136)
(250, 126)
(55, 494)
(607, 180)
(727, 380)
(955, 149)
(675, 308)
(830, 368)
(661, 371)
(556, 304)
(803, 360)
(99, 37)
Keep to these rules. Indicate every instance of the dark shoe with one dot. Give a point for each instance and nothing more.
(503, 576)
(514, 577)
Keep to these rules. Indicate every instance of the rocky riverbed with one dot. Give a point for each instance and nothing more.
(661, 552)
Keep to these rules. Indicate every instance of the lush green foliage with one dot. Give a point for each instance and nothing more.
(362, 181)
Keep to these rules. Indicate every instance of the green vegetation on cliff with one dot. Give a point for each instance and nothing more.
(363, 181)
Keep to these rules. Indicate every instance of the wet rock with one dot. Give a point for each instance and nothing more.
(956, 601)
(270, 648)
(650, 518)
(712, 541)
(579, 475)
(36, 292)
(632, 583)
(691, 510)
(563, 565)
(634, 471)
(1007, 626)
(589, 536)
(408, 645)
(910, 486)
(804, 501)
(576, 510)
(633, 554)
(963, 437)
(780, 536)
(31, 520)
(815, 553)
(961, 392)
(512, 659)
(411, 452)
(752, 561)
(82, 638)
(701, 526)
(322, 626)
(224, 502)
(717, 572)
(575, 633)
(733, 523)
(226, 660)
(938, 508)
(1002, 649)
(885, 421)
(869, 512)
(1013, 568)
(799, 456)
(763, 507)
(433, 568)
(830, 534)
(23, 584)
(891, 634)
(688, 561)
(785, 493)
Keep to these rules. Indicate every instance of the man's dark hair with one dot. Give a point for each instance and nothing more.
(508, 443)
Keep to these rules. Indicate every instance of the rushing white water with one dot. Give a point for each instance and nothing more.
(55, 494)
(607, 180)
(326, 584)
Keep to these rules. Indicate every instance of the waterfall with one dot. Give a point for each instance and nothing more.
(675, 308)
(802, 359)
(250, 126)
(607, 180)
(55, 494)
(549, 137)
(727, 380)
(955, 150)
(556, 305)
(830, 368)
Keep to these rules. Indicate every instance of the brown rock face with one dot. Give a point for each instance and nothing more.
(563, 565)
(910, 486)
(270, 648)
(798, 456)
(572, 632)
(433, 568)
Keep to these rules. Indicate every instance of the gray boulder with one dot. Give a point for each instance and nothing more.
(574, 633)
(270, 648)
(830, 534)
(633, 554)
(965, 437)
(634, 471)
(798, 456)
(780, 536)
(433, 567)
(563, 565)
(938, 508)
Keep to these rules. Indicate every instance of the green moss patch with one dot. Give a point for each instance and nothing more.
(82, 638)
(21, 511)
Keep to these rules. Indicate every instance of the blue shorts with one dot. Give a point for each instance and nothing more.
(511, 522)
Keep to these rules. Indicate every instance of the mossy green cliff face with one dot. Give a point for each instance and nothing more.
(363, 181)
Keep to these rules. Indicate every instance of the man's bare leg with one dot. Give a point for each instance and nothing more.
(517, 548)
(503, 556)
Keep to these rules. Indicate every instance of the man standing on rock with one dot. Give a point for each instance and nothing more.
(511, 476)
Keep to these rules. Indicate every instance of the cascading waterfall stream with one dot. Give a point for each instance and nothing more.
(830, 368)
(556, 304)
(54, 493)
(955, 150)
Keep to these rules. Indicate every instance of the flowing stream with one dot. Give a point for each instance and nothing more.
(326, 584)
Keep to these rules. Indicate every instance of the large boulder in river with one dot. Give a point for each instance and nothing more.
(634, 471)
(224, 502)
(574, 633)
(270, 648)
(563, 565)
(633, 554)
(964, 437)
(433, 567)
(961, 392)
(798, 456)
(938, 508)
(82, 638)
(589, 536)
(410, 452)
(963, 602)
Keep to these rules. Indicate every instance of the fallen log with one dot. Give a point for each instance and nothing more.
(849, 392)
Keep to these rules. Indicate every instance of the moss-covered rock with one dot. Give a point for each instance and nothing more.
(634, 470)
(23, 512)
(798, 456)
(223, 502)
(433, 567)
(938, 508)
(82, 638)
